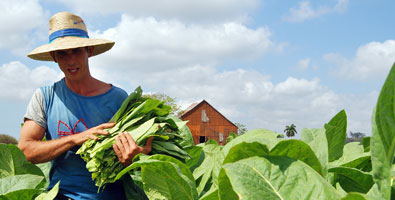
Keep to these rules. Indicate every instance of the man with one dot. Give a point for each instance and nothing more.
(73, 110)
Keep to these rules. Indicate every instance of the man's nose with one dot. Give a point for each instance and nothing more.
(70, 58)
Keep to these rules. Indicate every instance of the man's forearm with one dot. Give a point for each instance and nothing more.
(38, 151)
(43, 151)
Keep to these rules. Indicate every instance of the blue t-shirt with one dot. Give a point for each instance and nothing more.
(68, 113)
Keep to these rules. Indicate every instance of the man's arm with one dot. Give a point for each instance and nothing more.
(38, 151)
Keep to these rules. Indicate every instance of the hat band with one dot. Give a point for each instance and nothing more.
(68, 32)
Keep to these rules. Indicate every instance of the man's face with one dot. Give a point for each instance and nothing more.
(73, 62)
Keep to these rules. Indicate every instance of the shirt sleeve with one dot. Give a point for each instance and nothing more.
(36, 109)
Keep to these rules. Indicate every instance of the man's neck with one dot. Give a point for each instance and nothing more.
(88, 86)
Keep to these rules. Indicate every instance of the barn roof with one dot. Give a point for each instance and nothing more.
(195, 105)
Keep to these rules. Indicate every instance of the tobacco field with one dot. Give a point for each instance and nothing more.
(256, 165)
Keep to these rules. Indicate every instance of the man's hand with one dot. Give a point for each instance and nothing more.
(126, 148)
(92, 132)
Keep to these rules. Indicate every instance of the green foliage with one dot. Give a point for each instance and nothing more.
(6, 139)
(336, 135)
(242, 178)
(317, 141)
(382, 144)
(20, 179)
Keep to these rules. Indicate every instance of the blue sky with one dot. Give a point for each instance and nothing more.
(262, 63)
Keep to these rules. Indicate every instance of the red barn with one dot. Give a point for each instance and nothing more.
(205, 123)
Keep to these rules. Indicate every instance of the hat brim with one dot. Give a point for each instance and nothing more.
(42, 52)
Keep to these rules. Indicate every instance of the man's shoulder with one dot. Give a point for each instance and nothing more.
(119, 91)
(48, 89)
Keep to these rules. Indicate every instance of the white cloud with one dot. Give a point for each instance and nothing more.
(207, 11)
(372, 61)
(359, 111)
(18, 82)
(169, 44)
(18, 18)
(305, 11)
(303, 64)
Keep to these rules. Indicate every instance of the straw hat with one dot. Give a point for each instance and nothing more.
(68, 31)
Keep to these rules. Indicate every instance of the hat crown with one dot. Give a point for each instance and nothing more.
(65, 20)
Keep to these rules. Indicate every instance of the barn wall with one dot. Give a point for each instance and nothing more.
(211, 129)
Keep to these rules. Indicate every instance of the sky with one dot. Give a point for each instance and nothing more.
(261, 63)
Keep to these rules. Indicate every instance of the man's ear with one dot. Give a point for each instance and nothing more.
(90, 50)
(53, 56)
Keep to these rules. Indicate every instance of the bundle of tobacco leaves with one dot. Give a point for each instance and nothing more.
(141, 117)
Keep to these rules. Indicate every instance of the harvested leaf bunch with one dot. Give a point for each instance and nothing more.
(141, 117)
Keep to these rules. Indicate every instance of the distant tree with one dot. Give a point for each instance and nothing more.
(355, 137)
(290, 130)
(170, 101)
(7, 139)
(241, 128)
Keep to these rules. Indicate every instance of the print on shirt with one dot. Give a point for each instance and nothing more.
(64, 129)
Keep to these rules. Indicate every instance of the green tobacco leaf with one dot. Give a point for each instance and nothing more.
(210, 195)
(45, 168)
(212, 141)
(317, 141)
(13, 162)
(340, 190)
(336, 132)
(263, 136)
(366, 143)
(169, 148)
(383, 136)
(20, 194)
(210, 167)
(133, 113)
(132, 97)
(133, 191)
(150, 104)
(142, 129)
(185, 133)
(297, 150)
(19, 182)
(197, 157)
(51, 194)
(184, 169)
(381, 166)
(355, 196)
(352, 151)
(353, 180)
(274, 178)
(246, 150)
(19, 179)
(362, 163)
(165, 180)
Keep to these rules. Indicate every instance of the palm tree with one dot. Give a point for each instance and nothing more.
(290, 130)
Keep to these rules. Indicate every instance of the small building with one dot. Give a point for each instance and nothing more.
(206, 123)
